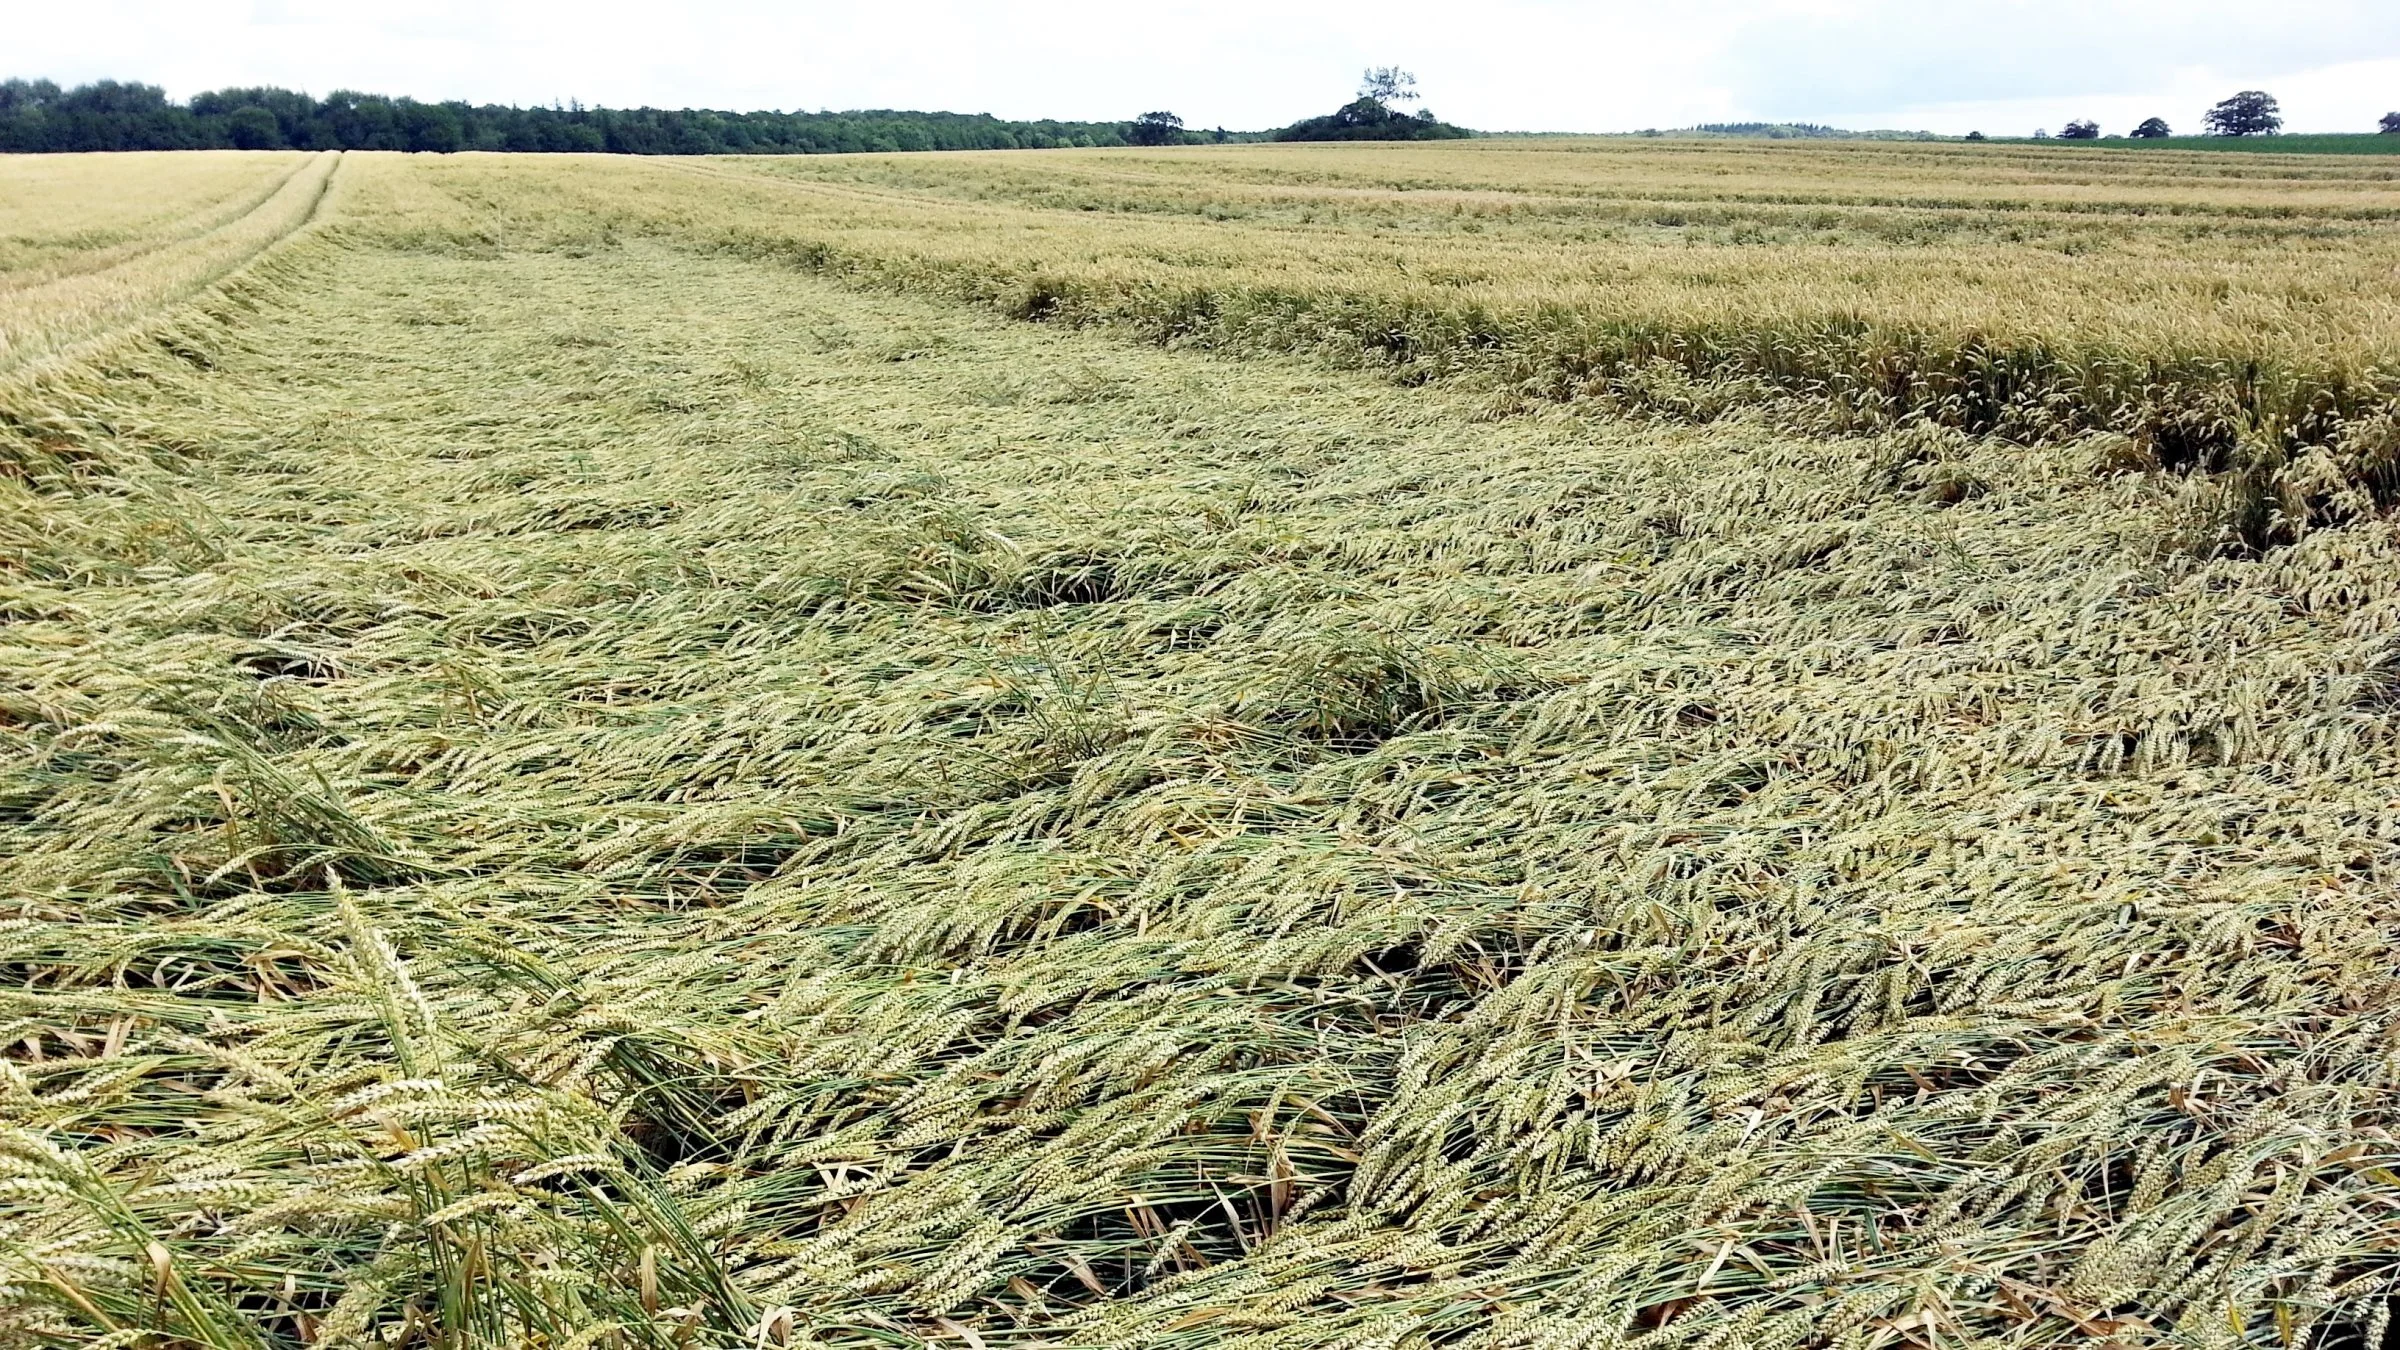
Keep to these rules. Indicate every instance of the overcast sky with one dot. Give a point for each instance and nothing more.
(2003, 66)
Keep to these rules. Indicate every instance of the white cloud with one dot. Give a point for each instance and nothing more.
(1871, 54)
(2006, 65)
(2346, 97)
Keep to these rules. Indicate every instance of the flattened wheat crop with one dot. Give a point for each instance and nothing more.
(2012, 289)
(570, 782)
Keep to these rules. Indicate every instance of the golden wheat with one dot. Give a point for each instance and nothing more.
(71, 213)
(127, 259)
(2021, 291)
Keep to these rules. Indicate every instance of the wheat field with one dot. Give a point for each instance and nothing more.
(1248, 747)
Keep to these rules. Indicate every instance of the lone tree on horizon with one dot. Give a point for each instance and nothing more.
(2252, 112)
(2390, 126)
(2081, 131)
(1388, 85)
(2155, 129)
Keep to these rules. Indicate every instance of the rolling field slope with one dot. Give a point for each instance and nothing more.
(622, 753)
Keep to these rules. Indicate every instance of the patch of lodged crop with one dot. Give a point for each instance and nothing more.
(563, 784)
(2233, 320)
(2030, 293)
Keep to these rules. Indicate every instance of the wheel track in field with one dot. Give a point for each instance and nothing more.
(68, 318)
(206, 219)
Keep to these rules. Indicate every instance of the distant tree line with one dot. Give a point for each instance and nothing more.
(1775, 131)
(2252, 112)
(1165, 128)
(37, 115)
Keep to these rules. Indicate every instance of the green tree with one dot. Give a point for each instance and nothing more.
(2390, 126)
(1155, 128)
(2252, 112)
(2155, 129)
(432, 127)
(1371, 116)
(1388, 85)
(253, 128)
(2081, 131)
